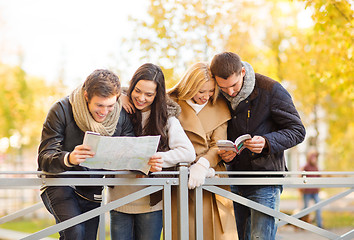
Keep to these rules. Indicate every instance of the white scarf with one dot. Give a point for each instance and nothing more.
(197, 107)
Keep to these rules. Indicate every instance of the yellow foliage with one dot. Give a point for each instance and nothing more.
(315, 63)
(24, 102)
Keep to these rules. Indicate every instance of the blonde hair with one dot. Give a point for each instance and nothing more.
(191, 82)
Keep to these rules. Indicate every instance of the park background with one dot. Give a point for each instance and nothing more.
(47, 48)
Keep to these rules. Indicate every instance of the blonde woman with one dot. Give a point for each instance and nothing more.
(204, 119)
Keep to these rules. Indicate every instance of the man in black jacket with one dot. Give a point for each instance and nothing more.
(262, 108)
(93, 106)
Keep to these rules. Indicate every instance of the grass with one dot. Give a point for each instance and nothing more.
(332, 220)
(30, 225)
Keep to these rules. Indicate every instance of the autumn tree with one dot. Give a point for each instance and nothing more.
(178, 33)
(24, 102)
(314, 63)
(322, 69)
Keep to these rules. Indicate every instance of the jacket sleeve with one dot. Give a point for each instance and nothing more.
(125, 126)
(290, 130)
(181, 148)
(50, 151)
(220, 133)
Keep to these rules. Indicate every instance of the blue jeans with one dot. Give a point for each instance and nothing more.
(141, 226)
(252, 224)
(316, 199)
(63, 203)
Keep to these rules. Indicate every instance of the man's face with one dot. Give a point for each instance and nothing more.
(232, 85)
(100, 107)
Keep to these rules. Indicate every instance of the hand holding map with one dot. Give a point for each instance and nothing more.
(120, 153)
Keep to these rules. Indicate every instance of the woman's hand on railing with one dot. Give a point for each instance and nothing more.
(211, 173)
(198, 172)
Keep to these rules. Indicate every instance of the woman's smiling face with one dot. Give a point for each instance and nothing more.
(143, 94)
(206, 91)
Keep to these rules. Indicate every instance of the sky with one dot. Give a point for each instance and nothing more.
(70, 38)
(77, 36)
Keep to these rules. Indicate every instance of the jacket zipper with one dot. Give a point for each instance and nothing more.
(248, 118)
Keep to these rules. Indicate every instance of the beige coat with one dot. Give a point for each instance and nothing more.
(204, 130)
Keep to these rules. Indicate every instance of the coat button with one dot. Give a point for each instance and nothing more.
(246, 101)
(234, 117)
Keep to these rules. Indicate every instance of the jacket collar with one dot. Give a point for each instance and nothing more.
(189, 120)
(254, 94)
(206, 120)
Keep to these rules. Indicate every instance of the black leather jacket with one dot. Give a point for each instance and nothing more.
(268, 112)
(61, 135)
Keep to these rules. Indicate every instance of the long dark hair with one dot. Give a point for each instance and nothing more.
(156, 124)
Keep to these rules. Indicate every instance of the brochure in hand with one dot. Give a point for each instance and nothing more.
(236, 146)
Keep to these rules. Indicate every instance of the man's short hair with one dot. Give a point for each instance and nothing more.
(103, 83)
(225, 64)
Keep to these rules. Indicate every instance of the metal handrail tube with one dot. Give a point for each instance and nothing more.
(230, 173)
(318, 205)
(298, 179)
(93, 213)
(269, 211)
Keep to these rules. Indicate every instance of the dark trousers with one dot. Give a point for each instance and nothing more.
(63, 203)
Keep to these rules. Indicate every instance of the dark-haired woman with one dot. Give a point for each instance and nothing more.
(152, 114)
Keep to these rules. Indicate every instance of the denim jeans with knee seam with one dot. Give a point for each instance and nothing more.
(141, 226)
(252, 224)
(63, 203)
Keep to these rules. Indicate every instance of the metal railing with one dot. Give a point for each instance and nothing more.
(30, 179)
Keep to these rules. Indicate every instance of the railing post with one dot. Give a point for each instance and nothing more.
(102, 222)
(167, 215)
(183, 226)
(198, 194)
